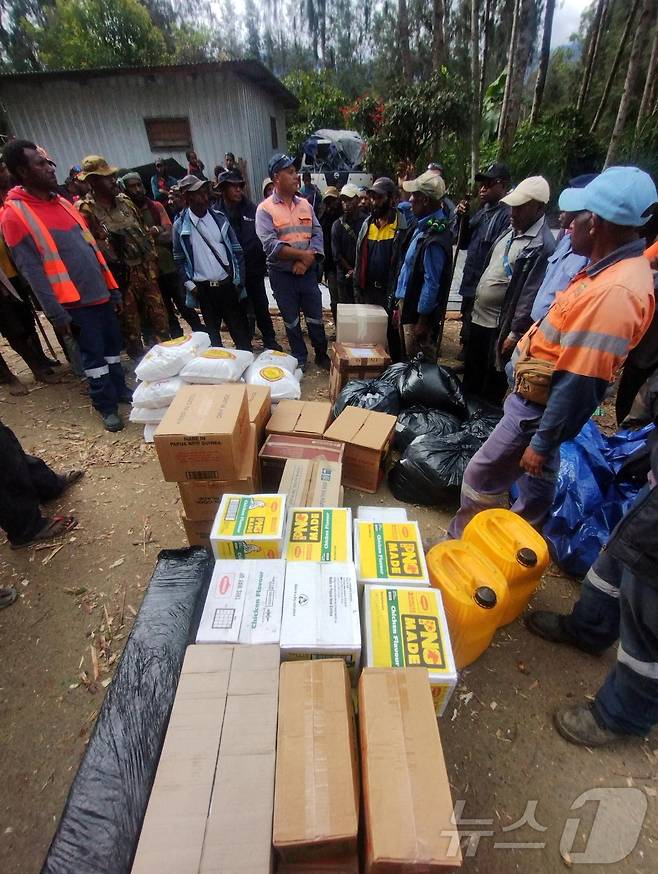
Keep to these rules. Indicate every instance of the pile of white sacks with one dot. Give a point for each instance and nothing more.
(192, 360)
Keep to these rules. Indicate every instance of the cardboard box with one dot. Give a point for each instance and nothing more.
(349, 865)
(312, 483)
(259, 401)
(407, 627)
(381, 514)
(362, 324)
(172, 834)
(249, 526)
(197, 531)
(355, 362)
(201, 499)
(319, 534)
(316, 794)
(390, 553)
(321, 613)
(203, 433)
(244, 603)
(406, 795)
(300, 418)
(238, 836)
(296, 481)
(367, 439)
(278, 448)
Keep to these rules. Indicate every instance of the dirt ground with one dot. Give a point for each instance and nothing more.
(59, 644)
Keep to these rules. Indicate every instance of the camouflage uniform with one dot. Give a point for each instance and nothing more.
(132, 256)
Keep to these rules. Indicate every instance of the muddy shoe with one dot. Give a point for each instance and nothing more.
(17, 388)
(579, 725)
(551, 627)
(47, 377)
(113, 422)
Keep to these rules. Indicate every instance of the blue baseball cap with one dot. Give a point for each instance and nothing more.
(279, 162)
(621, 195)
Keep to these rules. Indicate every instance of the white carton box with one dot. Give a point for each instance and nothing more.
(360, 323)
(321, 612)
(381, 514)
(389, 553)
(244, 602)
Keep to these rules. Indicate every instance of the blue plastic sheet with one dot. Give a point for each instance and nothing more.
(589, 500)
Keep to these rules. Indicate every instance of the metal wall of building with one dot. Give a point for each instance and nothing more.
(106, 115)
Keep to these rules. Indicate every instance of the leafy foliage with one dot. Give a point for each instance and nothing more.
(320, 100)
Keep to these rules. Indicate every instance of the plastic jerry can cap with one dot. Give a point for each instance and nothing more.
(527, 557)
(485, 597)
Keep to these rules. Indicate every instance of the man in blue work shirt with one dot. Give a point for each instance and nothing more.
(423, 282)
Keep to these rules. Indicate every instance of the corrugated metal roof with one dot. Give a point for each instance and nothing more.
(253, 71)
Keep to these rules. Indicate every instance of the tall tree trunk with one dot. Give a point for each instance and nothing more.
(591, 51)
(649, 85)
(526, 22)
(544, 56)
(403, 38)
(438, 34)
(485, 48)
(475, 80)
(615, 65)
(629, 85)
(511, 60)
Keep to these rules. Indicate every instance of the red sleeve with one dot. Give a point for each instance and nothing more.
(13, 229)
(165, 221)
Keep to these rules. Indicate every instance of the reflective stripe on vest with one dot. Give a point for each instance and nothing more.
(110, 281)
(293, 224)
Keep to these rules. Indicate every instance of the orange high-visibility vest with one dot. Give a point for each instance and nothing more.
(293, 224)
(54, 268)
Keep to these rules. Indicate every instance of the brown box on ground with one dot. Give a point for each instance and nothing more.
(203, 433)
(367, 438)
(300, 418)
(197, 531)
(259, 400)
(312, 483)
(316, 797)
(406, 794)
(201, 499)
(172, 834)
(278, 448)
(343, 866)
(296, 481)
(355, 362)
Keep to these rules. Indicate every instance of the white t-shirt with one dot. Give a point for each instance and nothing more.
(206, 266)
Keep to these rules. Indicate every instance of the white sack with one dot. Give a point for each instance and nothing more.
(169, 358)
(217, 365)
(156, 394)
(281, 383)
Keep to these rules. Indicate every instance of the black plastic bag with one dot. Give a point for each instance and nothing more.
(102, 819)
(431, 385)
(431, 470)
(370, 394)
(417, 421)
(393, 373)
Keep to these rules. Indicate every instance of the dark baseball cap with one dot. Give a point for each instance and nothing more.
(230, 177)
(494, 171)
(279, 162)
(384, 185)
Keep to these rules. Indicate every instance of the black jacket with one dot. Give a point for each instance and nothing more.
(243, 222)
(481, 233)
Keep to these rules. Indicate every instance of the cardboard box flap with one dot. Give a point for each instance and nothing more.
(405, 783)
(316, 788)
(198, 410)
(285, 417)
(287, 446)
(314, 417)
(362, 428)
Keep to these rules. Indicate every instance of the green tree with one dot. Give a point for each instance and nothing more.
(85, 34)
(320, 104)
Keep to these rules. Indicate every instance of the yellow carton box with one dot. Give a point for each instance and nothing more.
(390, 553)
(319, 534)
(405, 627)
(249, 526)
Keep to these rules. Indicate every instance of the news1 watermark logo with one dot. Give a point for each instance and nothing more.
(609, 837)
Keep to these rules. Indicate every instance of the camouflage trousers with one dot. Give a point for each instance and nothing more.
(144, 313)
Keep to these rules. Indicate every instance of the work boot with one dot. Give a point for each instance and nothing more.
(322, 361)
(579, 725)
(551, 626)
(126, 397)
(113, 422)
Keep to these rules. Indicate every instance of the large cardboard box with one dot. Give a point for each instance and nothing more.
(360, 324)
(238, 836)
(321, 613)
(249, 526)
(367, 439)
(296, 481)
(203, 433)
(244, 603)
(197, 531)
(312, 483)
(259, 400)
(300, 418)
(355, 362)
(201, 499)
(407, 627)
(406, 794)
(316, 795)
(175, 822)
(278, 448)
(390, 553)
(319, 534)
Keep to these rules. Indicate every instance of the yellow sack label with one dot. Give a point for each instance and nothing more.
(218, 353)
(272, 374)
(177, 341)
